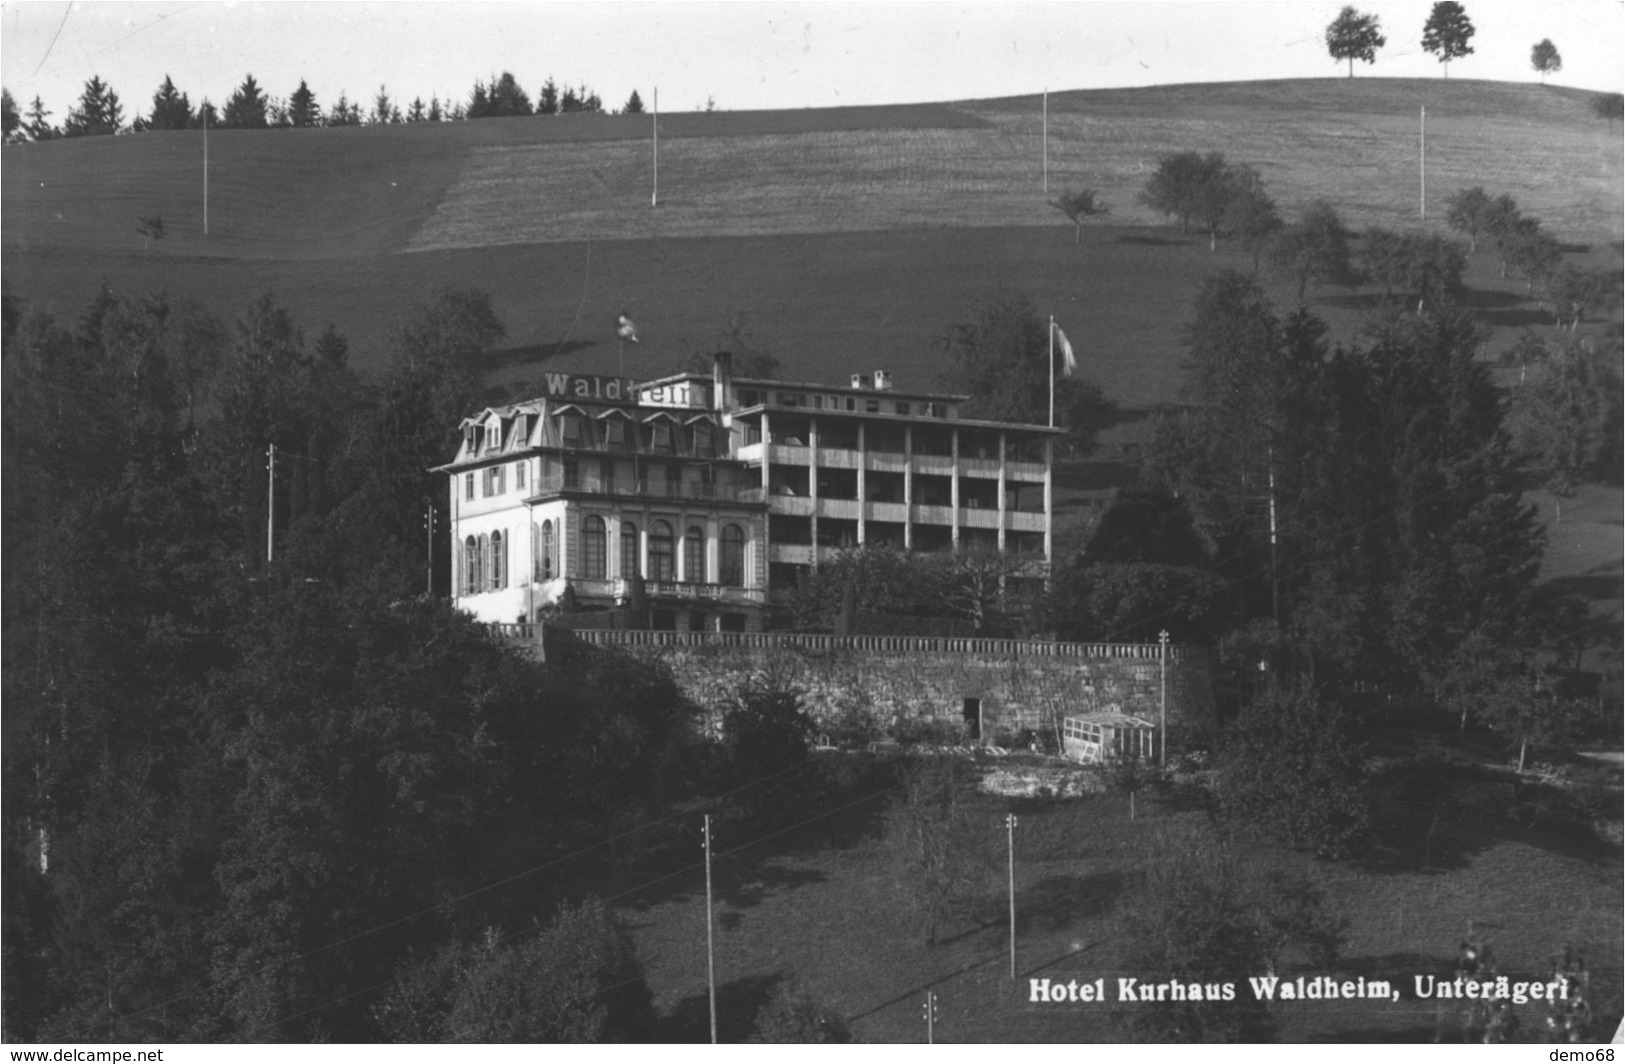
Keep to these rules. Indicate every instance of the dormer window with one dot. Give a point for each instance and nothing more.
(493, 435)
(570, 430)
(519, 433)
(660, 437)
(615, 432)
(471, 437)
(704, 441)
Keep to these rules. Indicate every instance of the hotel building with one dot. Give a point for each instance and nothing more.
(719, 493)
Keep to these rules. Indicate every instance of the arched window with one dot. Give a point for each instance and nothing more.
(594, 543)
(662, 552)
(547, 551)
(694, 555)
(484, 577)
(499, 562)
(629, 551)
(733, 556)
(471, 566)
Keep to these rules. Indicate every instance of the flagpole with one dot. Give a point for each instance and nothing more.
(1052, 371)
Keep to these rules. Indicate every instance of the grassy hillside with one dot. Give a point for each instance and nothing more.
(847, 239)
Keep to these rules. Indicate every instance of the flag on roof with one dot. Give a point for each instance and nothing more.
(626, 328)
(1069, 364)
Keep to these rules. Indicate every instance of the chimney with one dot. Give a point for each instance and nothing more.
(857, 380)
(882, 380)
(722, 381)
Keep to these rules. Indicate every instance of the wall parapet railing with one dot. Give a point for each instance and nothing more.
(873, 644)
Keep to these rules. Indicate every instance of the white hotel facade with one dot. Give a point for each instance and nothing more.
(720, 493)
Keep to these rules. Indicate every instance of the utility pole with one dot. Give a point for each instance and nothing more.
(1162, 738)
(654, 196)
(428, 564)
(205, 166)
(710, 952)
(1010, 833)
(1046, 140)
(270, 504)
(1423, 212)
(930, 1017)
(1275, 568)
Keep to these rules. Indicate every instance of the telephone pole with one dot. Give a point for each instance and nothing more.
(1162, 737)
(1010, 832)
(428, 564)
(930, 1017)
(710, 951)
(270, 504)
(1423, 212)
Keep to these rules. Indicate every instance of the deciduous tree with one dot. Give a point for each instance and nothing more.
(1314, 249)
(1354, 35)
(1544, 58)
(1001, 359)
(1077, 206)
(1467, 210)
(1447, 33)
(1608, 106)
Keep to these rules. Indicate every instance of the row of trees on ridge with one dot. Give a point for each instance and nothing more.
(100, 111)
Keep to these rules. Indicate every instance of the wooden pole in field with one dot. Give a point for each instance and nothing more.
(654, 197)
(710, 952)
(930, 1017)
(1162, 759)
(270, 503)
(1010, 832)
(1046, 140)
(205, 166)
(1423, 211)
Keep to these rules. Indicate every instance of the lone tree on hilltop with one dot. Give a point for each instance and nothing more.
(634, 104)
(1078, 206)
(1609, 107)
(1544, 58)
(1447, 32)
(1353, 35)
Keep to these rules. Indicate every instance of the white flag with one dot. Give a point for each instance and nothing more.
(1068, 362)
(626, 329)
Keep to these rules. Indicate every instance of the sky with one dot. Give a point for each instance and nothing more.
(752, 55)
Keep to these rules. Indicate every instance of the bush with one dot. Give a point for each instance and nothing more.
(1211, 913)
(793, 1017)
(1290, 766)
(576, 980)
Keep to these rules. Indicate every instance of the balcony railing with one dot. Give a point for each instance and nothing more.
(884, 644)
(596, 484)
